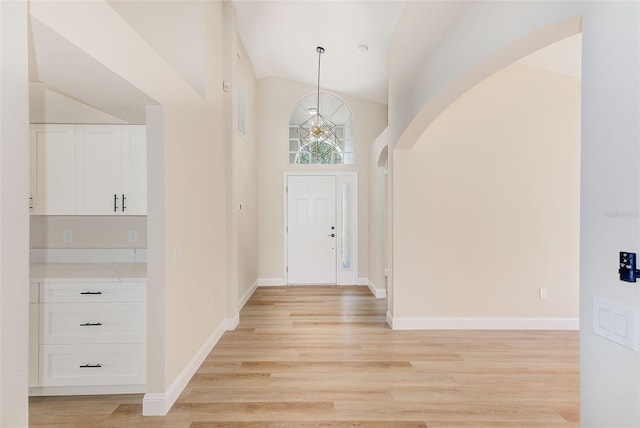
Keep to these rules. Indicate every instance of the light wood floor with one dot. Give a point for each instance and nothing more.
(324, 357)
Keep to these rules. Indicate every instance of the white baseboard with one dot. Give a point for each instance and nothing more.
(159, 404)
(271, 282)
(244, 299)
(155, 405)
(379, 294)
(482, 323)
(230, 324)
(363, 281)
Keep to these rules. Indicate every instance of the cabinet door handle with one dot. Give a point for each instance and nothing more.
(115, 203)
(91, 324)
(123, 205)
(30, 202)
(91, 366)
(91, 292)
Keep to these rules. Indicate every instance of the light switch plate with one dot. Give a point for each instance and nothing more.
(616, 322)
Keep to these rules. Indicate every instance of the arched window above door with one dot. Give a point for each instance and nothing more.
(336, 150)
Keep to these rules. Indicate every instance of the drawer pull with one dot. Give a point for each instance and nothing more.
(91, 292)
(91, 366)
(91, 324)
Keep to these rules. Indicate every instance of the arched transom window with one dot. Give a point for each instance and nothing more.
(338, 148)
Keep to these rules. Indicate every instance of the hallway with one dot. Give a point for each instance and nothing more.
(324, 357)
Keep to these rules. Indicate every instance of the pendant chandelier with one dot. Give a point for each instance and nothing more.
(317, 129)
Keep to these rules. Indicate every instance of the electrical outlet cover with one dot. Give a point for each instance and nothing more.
(616, 322)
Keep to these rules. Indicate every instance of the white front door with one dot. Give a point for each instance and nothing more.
(311, 237)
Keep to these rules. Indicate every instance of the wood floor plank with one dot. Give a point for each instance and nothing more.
(307, 424)
(323, 357)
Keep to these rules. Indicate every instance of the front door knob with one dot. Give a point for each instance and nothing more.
(333, 235)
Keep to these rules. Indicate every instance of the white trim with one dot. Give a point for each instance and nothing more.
(154, 405)
(482, 323)
(230, 324)
(389, 320)
(241, 114)
(285, 235)
(363, 281)
(244, 299)
(377, 293)
(39, 391)
(159, 404)
(271, 282)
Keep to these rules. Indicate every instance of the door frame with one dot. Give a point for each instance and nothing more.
(344, 276)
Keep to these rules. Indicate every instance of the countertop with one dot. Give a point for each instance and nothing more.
(65, 272)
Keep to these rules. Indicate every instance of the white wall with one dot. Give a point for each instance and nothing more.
(246, 153)
(377, 218)
(493, 34)
(49, 106)
(610, 391)
(276, 99)
(176, 33)
(487, 206)
(194, 214)
(241, 173)
(14, 215)
(194, 223)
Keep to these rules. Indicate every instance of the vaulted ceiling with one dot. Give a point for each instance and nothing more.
(280, 38)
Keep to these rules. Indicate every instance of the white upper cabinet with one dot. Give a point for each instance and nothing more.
(106, 173)
(53, 169)
(99, 149)
(134, 169)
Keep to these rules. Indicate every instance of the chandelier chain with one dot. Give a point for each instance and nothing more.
(320, 51)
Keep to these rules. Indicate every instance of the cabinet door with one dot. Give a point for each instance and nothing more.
(134, 169)
(53, 174)
(100, 167)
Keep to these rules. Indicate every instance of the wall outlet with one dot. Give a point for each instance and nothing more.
(133, 236)
(544, 293)
(67, 236)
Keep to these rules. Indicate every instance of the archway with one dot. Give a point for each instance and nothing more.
(452, 92)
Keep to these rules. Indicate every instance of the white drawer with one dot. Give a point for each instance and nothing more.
(80, 292)
(67, 365)
(86, 323)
